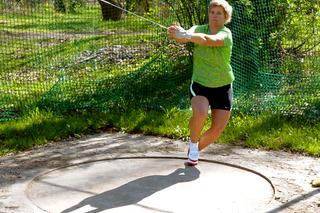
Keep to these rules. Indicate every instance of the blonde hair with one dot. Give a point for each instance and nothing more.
(225, 5)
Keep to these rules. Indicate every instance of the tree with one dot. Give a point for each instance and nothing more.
(109, 11)
(189, 13)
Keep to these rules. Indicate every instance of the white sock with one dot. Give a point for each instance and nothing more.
(193, 146)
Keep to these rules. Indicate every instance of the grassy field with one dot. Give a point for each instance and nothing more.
(42, 48)
(48, 56)
(270, 132)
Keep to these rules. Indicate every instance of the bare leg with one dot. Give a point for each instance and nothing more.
(200, 106)
(219, 122)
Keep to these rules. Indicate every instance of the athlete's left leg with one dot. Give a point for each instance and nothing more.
(219, 121)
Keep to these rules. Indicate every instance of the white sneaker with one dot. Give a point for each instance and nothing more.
(193, 154)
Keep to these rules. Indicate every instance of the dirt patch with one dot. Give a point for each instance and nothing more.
(114, 54)
(291, 174)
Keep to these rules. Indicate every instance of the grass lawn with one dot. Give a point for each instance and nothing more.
(271, 132)
(42, 48)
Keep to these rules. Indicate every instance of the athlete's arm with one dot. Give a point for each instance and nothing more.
(208, 40)
(181, 35)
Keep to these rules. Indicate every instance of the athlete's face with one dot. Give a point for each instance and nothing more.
(217, 16)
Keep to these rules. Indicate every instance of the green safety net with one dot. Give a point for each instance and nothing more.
(75, 55)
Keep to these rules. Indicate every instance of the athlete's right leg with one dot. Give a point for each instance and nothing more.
(200, 107)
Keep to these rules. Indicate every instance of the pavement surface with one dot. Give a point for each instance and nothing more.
(118, 172)
(150, 185)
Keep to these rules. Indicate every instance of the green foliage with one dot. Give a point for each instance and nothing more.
(153, 84)
(274, 132)
(281, 36)
(189, 13)
(59, 6)
(300, 35)
(40, 127)
(63, 6)
(139, 6)
(74, 4)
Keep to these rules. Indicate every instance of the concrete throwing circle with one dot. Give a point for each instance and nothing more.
(153, 184)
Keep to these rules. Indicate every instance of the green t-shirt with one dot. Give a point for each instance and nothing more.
(212, 65)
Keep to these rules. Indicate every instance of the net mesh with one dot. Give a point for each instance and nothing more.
(69, 55)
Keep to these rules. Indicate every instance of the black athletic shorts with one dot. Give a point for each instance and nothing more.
(219, 97)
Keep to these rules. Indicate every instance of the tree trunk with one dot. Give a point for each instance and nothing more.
(109, 11)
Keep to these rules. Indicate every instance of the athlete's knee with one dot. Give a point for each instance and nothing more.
(200, 113)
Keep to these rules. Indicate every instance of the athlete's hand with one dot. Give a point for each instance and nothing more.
(177, 32)
(172, 32)
(182, 33)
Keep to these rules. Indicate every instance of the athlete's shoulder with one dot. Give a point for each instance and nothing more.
(226, 29)
(227, 35)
